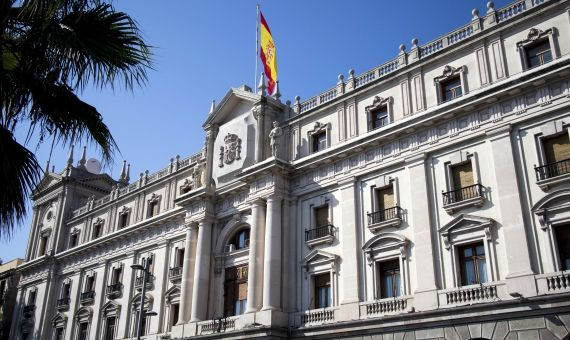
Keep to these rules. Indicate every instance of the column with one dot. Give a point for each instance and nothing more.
(255, 270)
(202, 271)
(425, 296)
(289, 255)
(507, 198)
(272, 256)
(348, 232)
(186, 284)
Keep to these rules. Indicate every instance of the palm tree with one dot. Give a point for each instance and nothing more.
(50, 50)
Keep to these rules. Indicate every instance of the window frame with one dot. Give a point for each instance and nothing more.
(316, 294)
(97, 225)
(234, 284)
(379, 103)
(379, 287)
(463, 266)
(319, 128)
(450, 73)
(124, 215)
(153, 201)
(533, 37)
(319, 262)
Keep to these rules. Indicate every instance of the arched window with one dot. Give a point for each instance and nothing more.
(239, 241)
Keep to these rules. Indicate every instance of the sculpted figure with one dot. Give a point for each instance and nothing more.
(274, 138)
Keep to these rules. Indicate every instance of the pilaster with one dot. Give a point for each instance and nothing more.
(350, 250)
(201, 282)
(519, 270)
(187, 279)
(425, 296)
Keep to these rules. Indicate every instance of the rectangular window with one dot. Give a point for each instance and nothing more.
(538, 53)
(153, 208)
(322, 216)
(174, 313)
(462, 175)
(451, 89)
(557, 148)
(116, 276)
(179, 257)
(89, 284)
(83, 330)
(385, 198)
(319, 141)
(378, 118)
(32, 298)
(123, 220)
(66, 291)
(235, 290)
(73, 240)
(110, 325)
(43, 245)
(473, 264)
(389, 273)
(323, 290)
(143, 323)
(97, 230)
(563, 243)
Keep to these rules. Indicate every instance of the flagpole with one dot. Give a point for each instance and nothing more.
(256, 48)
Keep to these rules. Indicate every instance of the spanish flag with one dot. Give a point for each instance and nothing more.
(267, 55)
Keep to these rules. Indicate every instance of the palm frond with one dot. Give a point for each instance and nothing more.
(19, 174)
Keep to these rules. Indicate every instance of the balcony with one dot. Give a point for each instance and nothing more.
(553, 173)
(29, 310)
(462, 198)
(139, 282)
(472, 294)
(553, 283)
(378, 220)
(62, 304)
(319, 235)
(175, 273)
(114, 290)
(87, 297)
(388, 306)
(316, 317)
(217, 326)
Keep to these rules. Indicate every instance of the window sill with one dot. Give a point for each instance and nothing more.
(545, 184)
(470, 202)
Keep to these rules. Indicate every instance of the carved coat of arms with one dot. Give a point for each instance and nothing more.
(231, 151)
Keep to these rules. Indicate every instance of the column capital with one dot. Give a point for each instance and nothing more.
(257, 202)
(499, 133)
(416, 160)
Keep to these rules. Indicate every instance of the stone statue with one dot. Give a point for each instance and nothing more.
(274, 138)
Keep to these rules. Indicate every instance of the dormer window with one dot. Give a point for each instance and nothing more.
(537, 49)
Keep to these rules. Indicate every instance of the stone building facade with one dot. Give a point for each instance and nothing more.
(9, 279)
(427, 198)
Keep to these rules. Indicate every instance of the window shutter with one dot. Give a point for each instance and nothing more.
(242, 291)
(386, 198)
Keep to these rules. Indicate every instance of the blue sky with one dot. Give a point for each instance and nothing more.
(202, 48)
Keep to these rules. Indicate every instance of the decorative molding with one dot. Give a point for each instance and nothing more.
(231, 151)
(448, 72)
(534, 34)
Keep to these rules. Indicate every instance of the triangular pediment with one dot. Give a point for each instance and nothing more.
(319, 256)
(233, 98)
(466, 222)
(49, 180)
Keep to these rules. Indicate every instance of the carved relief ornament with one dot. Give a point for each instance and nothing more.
(231, 151)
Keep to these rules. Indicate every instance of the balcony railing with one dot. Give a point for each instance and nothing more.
(472, 294)
(319, 232)
(385, 215)
(139, 281)
(63, 303)
(462, 194)
(386, 306)
(29, 310)
(552, 170)
(87, 297)
(317, 316)
(175, 272)
(114, 289)
(217, 326)
(553, 283)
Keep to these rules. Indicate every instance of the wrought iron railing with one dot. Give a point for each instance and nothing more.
(114, 288)
(384, 215)
(175, 271)
(90, 295)
(552, 170)
(139, 280)
(318, 232)
(63, 302)
(462, 194)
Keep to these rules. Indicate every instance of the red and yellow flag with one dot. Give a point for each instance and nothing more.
(267, 55)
